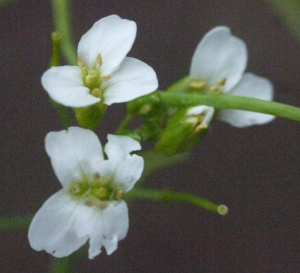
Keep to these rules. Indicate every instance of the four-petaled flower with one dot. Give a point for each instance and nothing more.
(90, 205)
(218, 66)
(104, 73)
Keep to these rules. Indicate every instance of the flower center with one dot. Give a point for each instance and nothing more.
(96, 191)
(199, 117)
(200, 86)
(92, 77)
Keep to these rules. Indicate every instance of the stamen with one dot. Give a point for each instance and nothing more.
(96, 176)
(75, 189)
(194, 120)
(80, 62)
(99, 59)
(106, 77)
(198, 84)
(102, 205)
(90, 202)
(118, 194)
(222, 81)
(214, 88)
(201, 127)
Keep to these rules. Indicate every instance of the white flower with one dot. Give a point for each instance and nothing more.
(90, 205)
(103, 72)
(218, 65)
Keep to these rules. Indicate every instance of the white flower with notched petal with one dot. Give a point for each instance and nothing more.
(90, 205)
(104, 73)
(218, 66)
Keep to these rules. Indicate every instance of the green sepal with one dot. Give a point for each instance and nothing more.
(179, 135)
(149, 130)
(181, 86)
(147, 106)
(89, 117)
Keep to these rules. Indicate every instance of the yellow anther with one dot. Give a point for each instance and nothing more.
(222, 81)
(201, 127)
(99, 59)
(102, 205)
(118, 194)
(193, 120)
(80, 62)
(90, 202)
(96, 92)
(214, 88)
(197, 84)
(75, 189)
(106, 77)
(96, 176)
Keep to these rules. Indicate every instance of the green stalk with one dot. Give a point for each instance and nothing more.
(10, 223)
(62, 18)
(60, 265)
(171, 196)
(289, 10)
(223, 101)
(125, 122)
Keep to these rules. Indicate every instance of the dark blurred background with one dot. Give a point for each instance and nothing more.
(254, 171)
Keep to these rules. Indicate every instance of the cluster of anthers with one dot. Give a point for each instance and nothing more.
(200, 86)
(92, 78)
(96, 192)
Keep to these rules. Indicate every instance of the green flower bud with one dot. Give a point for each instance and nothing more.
(185, 129)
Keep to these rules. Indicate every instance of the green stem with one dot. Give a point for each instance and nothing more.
(124, 123)
(155, 160)
(10, 223)
(171, 196)
(62, 18)
(63, 113)
(61, 265)
(233, 102)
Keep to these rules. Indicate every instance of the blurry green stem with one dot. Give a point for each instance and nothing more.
(124, 123)
(172, 196)
(10, 223)
(61, 265)
(62, 18)
(289, 10)
(222, 101)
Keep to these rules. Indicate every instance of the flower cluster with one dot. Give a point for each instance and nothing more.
(90, 205)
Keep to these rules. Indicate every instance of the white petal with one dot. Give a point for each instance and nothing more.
(104, 227)
(64, 85)
(112, 37)
(249, 86)
(119, 148)
(133, 79)
(219, 55)
(52, 228)
(73, 153)
(129, 172)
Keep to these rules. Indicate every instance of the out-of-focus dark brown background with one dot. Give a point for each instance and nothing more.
(255, 171)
